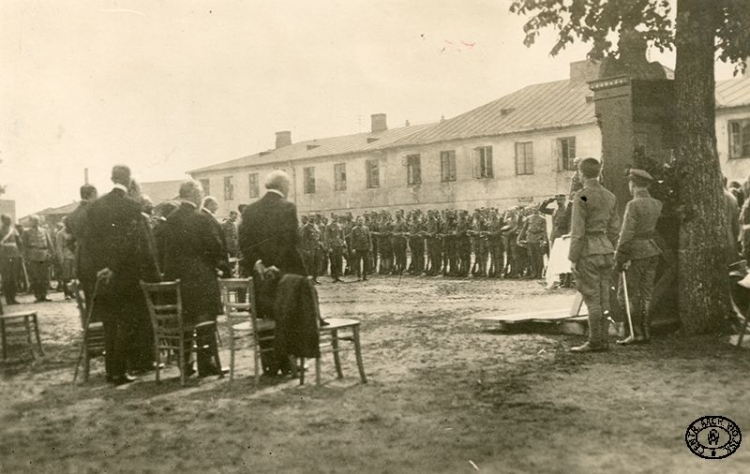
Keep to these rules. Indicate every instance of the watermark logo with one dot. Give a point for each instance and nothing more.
(713, 437)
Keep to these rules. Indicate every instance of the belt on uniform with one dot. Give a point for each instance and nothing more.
(595, 232)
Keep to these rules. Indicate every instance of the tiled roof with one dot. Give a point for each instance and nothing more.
(536, 107)
(357, 143)
(733, 92)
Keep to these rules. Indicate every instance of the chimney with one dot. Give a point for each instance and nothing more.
(283, 139)
(378, 123)
(583, 71)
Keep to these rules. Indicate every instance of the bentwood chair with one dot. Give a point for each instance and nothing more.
(171, 333)
(92, 338)
(330, 337)
(19, 326)
(238, 300)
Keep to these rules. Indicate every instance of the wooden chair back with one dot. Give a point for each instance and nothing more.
(164, 302)
(238, 299)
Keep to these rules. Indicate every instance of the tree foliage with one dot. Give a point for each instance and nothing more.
(596, 22)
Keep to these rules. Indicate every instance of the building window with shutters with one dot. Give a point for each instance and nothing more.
(483, 162)
(339, 177)
(739, 138)
(206, 185)
(566, 153)
(372, 173)
(228, 188)
(252, 181)
(413, 170)
(309, 179)
(447, 166)
(524, 158)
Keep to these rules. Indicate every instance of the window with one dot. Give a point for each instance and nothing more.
(309, 176)
(413, 170)
(524, 158)
(483, 163)
(739, 138)
(566, 153)
(339, 177)
(228, 188)
(372, 172)
(447, 166)
(252, 181)
(206, 184)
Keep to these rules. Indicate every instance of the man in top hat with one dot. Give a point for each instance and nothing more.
(594, 228)
(638, 253)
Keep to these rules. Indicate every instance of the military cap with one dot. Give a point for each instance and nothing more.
(640, 177)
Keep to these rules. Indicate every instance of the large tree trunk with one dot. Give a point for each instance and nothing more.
(703, 281)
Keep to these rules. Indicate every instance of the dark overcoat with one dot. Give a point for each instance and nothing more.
(193, 250)
(268, 232)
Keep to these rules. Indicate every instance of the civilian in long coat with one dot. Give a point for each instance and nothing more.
(114, 241)
(193, 253)
(269, 234)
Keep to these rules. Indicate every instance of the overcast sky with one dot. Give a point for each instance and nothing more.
(172, 85)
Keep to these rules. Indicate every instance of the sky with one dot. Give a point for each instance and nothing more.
(167, 86)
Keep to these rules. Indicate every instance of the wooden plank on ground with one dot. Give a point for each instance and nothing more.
(519, 317)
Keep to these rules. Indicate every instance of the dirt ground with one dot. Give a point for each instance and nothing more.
(444, 394)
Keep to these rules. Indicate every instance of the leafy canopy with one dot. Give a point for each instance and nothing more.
(596, 21)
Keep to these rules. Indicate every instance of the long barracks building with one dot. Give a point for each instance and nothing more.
(516, 150)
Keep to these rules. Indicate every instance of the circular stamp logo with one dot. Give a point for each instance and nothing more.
(713, 437)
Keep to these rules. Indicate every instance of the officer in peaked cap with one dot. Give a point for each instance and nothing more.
(637, 253)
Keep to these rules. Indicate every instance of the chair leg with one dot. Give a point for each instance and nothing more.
(157, 355)
(38, 338)
(317, 371)
(301, 370)
(216, 351)
(358, 353)
(86, 362)
(231, 353)
(4, 338)
(256, 362)
(335, 350)
(181, 361)
(27, 325)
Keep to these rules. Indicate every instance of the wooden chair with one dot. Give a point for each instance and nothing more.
(238, 300)
(92, 337)
(19, 326)
(164, 301)
(329, 337)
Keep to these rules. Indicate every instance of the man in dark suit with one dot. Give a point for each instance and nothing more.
(269, 238)
(194, 251)
(75, 226)
(118, 258)
(210, 206)
(269, 229)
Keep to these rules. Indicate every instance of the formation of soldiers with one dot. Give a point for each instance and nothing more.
(456, 243)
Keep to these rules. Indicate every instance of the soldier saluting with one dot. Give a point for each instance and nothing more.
(638, 254)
